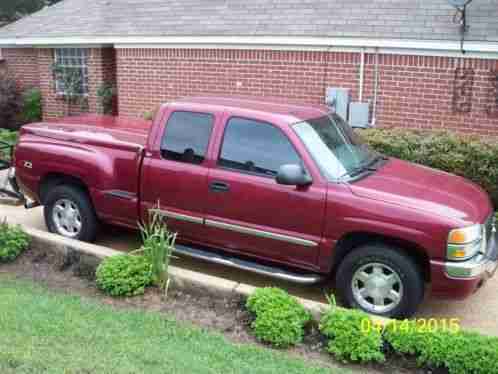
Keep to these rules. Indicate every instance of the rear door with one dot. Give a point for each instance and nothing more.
(247, 211)
(175, 176)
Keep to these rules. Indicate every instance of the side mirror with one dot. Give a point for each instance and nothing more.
(293, 175)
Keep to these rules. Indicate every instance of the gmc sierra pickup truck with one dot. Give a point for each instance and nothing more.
(283, 190)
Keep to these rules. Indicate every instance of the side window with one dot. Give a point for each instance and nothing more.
(255, 147)
(186, 137)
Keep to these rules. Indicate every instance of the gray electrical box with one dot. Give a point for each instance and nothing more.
(338, 98)
(359, 114)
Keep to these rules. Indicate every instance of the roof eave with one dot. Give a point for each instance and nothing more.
(408, 46)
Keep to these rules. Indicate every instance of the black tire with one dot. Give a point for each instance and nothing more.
(405, 267)
(89, 220)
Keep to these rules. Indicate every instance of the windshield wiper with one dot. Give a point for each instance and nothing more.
(367, 166)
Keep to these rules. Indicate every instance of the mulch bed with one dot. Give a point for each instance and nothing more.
(227, 316)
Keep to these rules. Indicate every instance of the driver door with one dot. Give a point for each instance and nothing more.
(247, 211)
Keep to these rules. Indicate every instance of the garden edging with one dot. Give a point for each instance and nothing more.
(88, 256)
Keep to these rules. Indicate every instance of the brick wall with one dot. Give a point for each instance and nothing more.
(413, 91)
(33, 68)
(101, 68)
(22, 64)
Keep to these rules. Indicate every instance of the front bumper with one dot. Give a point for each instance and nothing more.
(475, 267)
(461, 279)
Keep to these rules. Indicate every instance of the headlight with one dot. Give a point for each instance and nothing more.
(465, 243)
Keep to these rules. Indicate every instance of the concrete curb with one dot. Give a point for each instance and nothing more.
(9, 201)
(88, 256)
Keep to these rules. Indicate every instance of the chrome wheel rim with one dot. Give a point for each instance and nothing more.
(67, 218)
(377, 288)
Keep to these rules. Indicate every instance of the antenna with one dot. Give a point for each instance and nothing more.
(460, 17)
(459, 4)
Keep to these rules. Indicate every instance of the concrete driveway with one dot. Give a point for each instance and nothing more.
(479, 312)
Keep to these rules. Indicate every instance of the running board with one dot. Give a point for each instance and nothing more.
(269, 271)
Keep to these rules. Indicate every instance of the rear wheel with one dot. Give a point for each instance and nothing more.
(380, 280)
(69, 212)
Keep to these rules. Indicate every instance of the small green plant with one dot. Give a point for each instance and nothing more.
(280, 318)
(32, 105)
(105, 95)
(157, 248)
(148, 115)
(459, 352)
(9, 137)
(13, 241)
(124, 275)
(348, 340)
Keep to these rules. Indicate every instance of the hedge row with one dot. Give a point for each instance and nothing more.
(353, 337)
(471, 157)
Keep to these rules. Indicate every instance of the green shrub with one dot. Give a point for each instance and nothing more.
(124, 275)
(32, 105)
(13, 241)
(459, 352)
(348, 339)
(105, 95)
(8, 137)
(471, 157)
(280, 318)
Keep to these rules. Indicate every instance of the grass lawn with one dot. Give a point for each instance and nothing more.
(44, 332)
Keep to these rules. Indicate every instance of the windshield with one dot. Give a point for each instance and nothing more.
(334, 146)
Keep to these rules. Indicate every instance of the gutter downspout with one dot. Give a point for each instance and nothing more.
(362, 75)
(376, 88)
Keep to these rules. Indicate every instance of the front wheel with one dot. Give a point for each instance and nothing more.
(69, 212)
(380, 280)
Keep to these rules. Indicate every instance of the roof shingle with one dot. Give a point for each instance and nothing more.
(389, 19)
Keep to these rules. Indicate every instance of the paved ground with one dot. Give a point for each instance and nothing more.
(479, 312)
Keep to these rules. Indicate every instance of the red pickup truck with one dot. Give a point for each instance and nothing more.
(283, 190)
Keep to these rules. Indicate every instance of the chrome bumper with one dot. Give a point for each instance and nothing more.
(478, 266)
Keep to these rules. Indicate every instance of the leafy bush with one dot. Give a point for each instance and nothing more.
(13, 241)
(348, 341)
(32, 105)
(459, 352)
(10, 102)
(105, 95)
(468, 156)
(157, 248)
(8, 137)
(280, 318)
(124, 275)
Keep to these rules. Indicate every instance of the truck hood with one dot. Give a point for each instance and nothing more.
(94, 128)
(422, 188)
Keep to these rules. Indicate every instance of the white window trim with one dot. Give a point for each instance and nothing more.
(83, 66)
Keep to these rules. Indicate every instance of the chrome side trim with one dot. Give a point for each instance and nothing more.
(178, 216)
(260, 233)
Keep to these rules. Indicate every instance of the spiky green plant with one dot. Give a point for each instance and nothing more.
(157, 248)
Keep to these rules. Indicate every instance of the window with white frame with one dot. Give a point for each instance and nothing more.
(71, 65)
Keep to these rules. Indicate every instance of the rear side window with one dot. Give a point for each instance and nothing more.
(255, 147)
(186, 137)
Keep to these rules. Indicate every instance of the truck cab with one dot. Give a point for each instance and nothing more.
(283, 190)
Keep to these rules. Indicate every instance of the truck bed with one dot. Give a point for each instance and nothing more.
(102, 152)
(94, 129)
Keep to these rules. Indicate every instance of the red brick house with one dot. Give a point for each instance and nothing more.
(405, 58)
